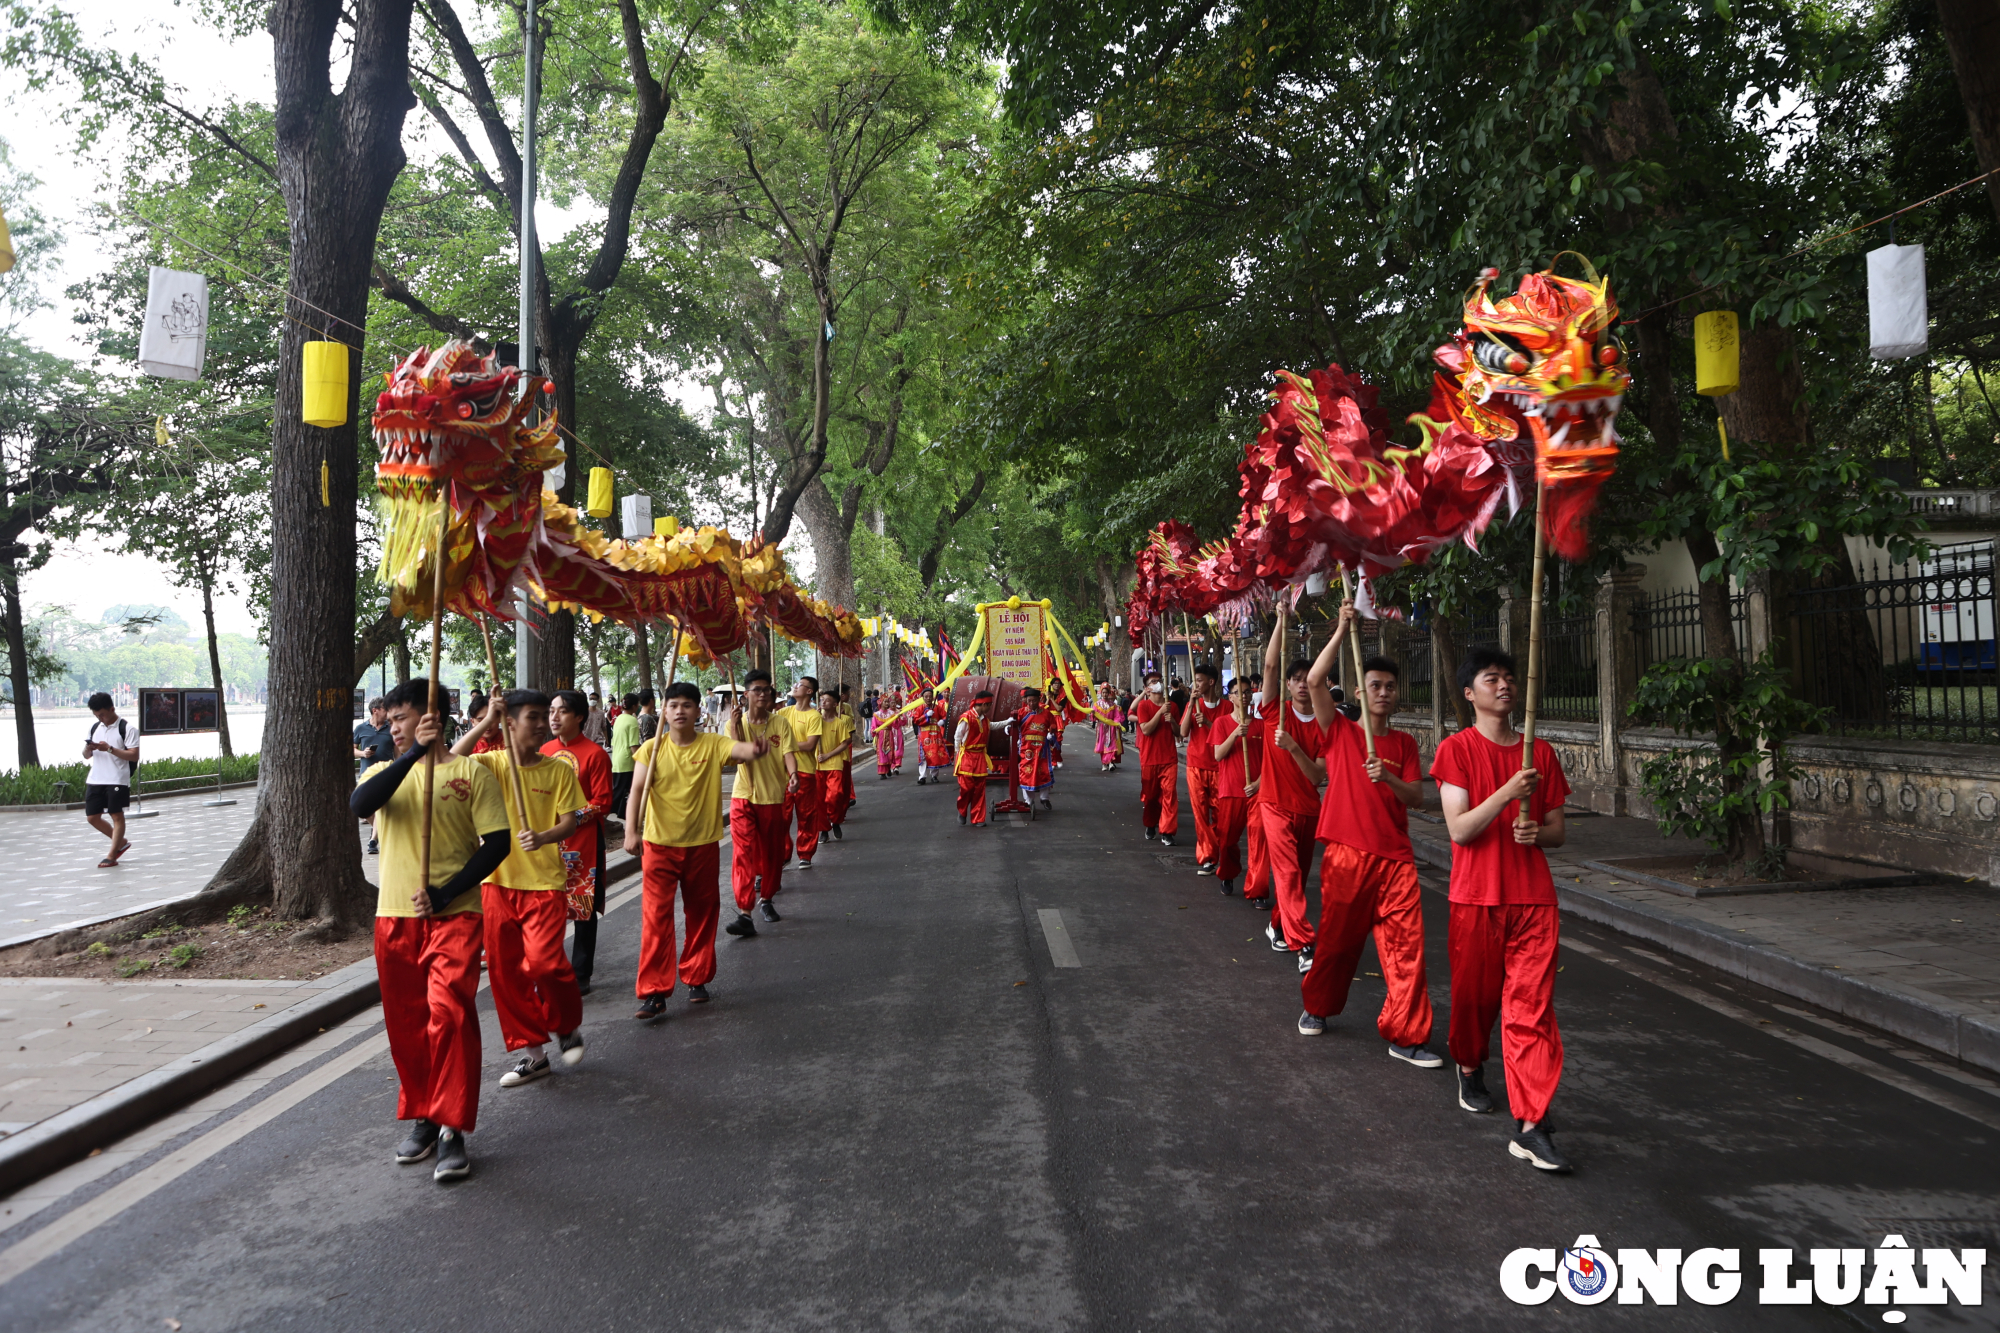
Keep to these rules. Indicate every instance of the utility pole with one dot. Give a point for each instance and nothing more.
(524, 630)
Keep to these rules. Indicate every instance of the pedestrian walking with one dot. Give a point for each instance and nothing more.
(625, 739)
(372, 745)
(112, 750)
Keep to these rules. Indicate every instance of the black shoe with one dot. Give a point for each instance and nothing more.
(836, 833)
(1534, 1147)
(742, 927)
(453, 1163)
(571, 1047)
(1046, 805)
(697, 995)
(526, 1070)
(582, 986)
(1228, 889)
(373, 849)
(1472, 1093)
(1166, 840)
(1151, 833)
(1305, 960)
(961, 819)
(421, 1143)
(770, 912)
(651, 1008)
(1261, 904)
(1277, 938)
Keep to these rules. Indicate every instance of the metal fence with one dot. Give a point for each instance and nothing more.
(1569, 666)
(1668, 625)
(1905, 650)
(1415, 647)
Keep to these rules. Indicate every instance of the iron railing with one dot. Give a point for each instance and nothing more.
(1415, 647)
(1569, 666)
(1668, 625)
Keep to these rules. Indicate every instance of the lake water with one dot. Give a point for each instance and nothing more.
(59, 734)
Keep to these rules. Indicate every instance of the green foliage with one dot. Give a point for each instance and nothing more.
(184, 955)
(1697, 792)
(132, 967)
(100, 654)
(37, 786)
(100, 950)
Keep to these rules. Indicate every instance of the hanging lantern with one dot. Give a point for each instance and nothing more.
(323, 397)
(1716, 353)
(6, 246)
(599, 504)
(666, 526)
(1898, 310)
(635, 516)
(175, 335)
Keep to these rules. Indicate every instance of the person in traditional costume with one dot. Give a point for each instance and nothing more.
(974, 764)
(888, 736)
(934, 748)
(583, 854)
(1035, 732)
(1109, 719)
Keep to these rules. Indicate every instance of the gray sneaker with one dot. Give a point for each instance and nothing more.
(1538, 1150)
(1311, 1025)
(1472, 1093)
(453, 1163)
(1423, 1057)
(423, 1141)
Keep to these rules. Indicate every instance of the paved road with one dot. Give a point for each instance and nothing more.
(900, 1114)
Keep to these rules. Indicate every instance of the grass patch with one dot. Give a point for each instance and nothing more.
(157, 777)
(100, 950)
(183, 954)
(132, 967)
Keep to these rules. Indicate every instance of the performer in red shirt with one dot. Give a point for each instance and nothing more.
(1159, 763)
(973, 764)
(1035, 733)
(1234, 780)
(933, 747)
(583, 853)
(1196, 721)
(1257, 882)
(1504, 928)
(1292, 774)
(1368, 874)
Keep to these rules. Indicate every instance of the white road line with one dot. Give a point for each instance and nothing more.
(1062, 952)
(79, 1222)
(1826, 1050)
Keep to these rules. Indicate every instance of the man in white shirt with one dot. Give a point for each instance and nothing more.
(112, 750)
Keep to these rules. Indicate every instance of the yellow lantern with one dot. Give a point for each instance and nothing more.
(323, 398)
(6, 246)
(599, 505)
(1716, 353)
(666, 526)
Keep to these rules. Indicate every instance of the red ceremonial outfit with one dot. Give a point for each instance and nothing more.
(931, 740)
(1258, 869)
(832, 796)
(1202, 778)
(1159, 763)
(973, 766)
(535, 993)
(802, 802)
(429, 967)
(1291, 816)
(1033, 761)
(757, 838)
(696, 873)
(1504, 929)
(1368, 882)
(1232, 803)
(583, 852)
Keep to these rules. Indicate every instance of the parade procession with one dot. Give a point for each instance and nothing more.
(942, 664)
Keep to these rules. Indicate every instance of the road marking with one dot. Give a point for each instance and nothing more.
(1062, 952)
(1826, 1050)
(81, 1221)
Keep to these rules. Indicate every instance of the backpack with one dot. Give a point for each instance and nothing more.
(124, 743)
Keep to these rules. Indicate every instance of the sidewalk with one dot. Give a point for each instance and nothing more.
(1922, 961)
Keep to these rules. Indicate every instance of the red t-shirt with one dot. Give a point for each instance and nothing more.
(1355, 812)
(1201, 748)
(593, 774)
(1493, 869)
(1285, 783)
(1157, 748)
(1230, 770)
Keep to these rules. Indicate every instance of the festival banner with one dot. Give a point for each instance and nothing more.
(1014, 634)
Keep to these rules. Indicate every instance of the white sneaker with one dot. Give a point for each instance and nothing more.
(526, 1070)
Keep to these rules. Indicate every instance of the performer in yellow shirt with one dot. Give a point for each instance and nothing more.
(835, 753)
(535, 993)
(674, 825)
(758, 841)
(427, 936)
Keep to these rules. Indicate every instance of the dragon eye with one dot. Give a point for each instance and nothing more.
(1608, 354)
(465, 409)
(1517, 363)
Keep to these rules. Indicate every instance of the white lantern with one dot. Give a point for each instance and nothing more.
(635, 516)
(175, 336)
(1898, 311)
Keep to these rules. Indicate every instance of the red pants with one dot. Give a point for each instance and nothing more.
(697, 873)
(1288, 843)
(1360, 892)
(833, 795)
(1260, 855)
(429, 968)
(534, 990)
(757, 851)
(1201, 784)
(846, 787)
(1159, 802)
(804, 804)
(972, 798)
(1231, 814)
(1503, 963)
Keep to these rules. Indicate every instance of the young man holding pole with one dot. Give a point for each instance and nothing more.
(674, 826)
(758, 834)
(1504, 929)
(1159, 763)
(535, 991)
(1368, 873)
(1235, 781)
(428, 935)
(583, 854)
(835, 751)
(802, 803)
(1198, 720)
(1293, 740)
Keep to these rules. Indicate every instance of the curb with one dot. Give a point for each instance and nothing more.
(1967, 1038)
(52, 1144)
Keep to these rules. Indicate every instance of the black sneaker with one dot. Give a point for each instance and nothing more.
(582, 986)
(961, 819)
(571, 1047)
(1420, 1055)
(805, 863)
(1472, 1093)
(1166, 840)
(697, 995)
(453, 1164)
(1046, 805)
(1261, 904)
(526, 1070)
(742, 927)
(421, 1143)
(651, 1008)
(770, 912)
(1534, 1147)
(1150, 834)
(837, 835)
(1306, 959)
(373, 849)
(1228, 888)
(1204, 868)
(1277, 938)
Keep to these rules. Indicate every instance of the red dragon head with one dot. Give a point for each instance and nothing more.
(457, 415)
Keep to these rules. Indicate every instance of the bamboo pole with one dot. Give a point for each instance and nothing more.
(1534, 695)
(1284, 701)
(506, 741)
(673, 660)
(437, 651)
(1360, 681)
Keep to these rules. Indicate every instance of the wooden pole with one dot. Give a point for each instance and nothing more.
(1534, 696)
(506, 741)
(1284, 701)
(437, 651)
(1360, 682)
(674, 658)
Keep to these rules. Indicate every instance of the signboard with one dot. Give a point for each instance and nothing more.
(1014, 643)
(199, 709)
(159, 712)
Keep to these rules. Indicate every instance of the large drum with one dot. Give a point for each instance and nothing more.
(1006, 698)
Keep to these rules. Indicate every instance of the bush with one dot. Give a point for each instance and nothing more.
(157, 777)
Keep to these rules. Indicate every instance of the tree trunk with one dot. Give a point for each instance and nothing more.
(1972, 35)
(642, 658)
(17, 665)
(338, 155)
(833, 553)
(1744, 837)
(215, 667)
(590, 637)
(399, 652)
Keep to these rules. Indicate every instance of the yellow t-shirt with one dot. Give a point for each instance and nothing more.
(467, 808)
(684, 794)
(834, 733)
(552, 791)
(762, 781)
(804, 725)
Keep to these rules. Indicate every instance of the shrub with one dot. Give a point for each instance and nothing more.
(157, 777)
(181, 955)
(99, 950)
